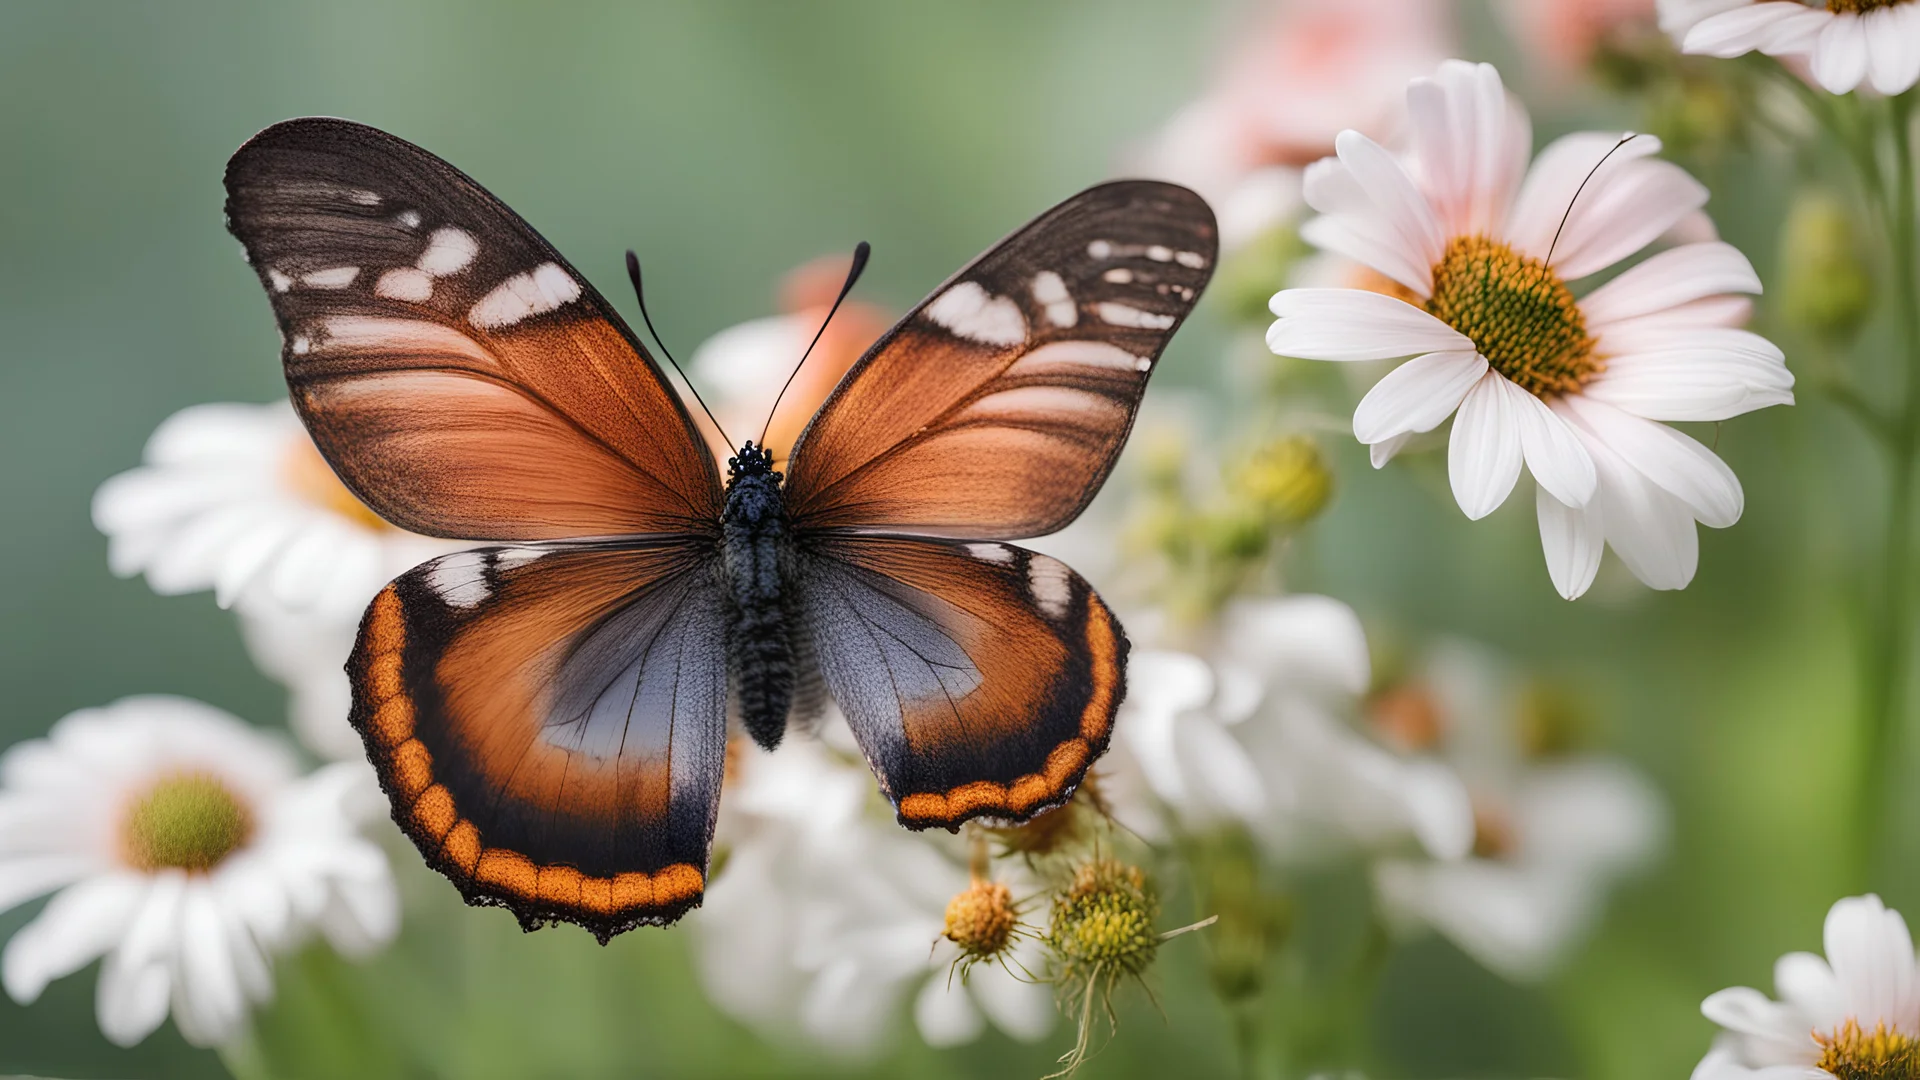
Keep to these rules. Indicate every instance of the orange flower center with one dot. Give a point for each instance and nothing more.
(1518, 314)
(1851, 1053)
(1857, 7)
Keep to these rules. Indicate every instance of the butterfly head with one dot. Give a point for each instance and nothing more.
(750, 461)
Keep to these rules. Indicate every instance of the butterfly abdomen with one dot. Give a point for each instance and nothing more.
(754, 543)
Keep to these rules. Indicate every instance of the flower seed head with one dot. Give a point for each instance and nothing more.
(190, 821)
(1287, 479)
(981, 920)
(1105, 920)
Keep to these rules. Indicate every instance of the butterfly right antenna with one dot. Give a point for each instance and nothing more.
(1624, 140)
(860, 254)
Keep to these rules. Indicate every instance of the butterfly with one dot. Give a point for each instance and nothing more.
(548, 713)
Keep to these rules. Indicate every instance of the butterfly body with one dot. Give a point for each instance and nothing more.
(549, 711)
(756, 556)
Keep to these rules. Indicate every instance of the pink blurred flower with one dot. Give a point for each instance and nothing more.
(1559, 35)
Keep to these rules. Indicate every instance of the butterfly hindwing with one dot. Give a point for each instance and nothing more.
(550, 724)
(997, 407)
(980, 679)
(459, 375)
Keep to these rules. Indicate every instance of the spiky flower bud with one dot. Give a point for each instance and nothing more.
(1104, 920)
(981, 920)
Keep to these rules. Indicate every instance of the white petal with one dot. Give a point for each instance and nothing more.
(1219, 764)
(1568, 165)
(1382, 452)
(1872, 957)
(209, 981)
(1667, 280)
(1748, 1011)
(1021, 1008)
(1470, 144)
(131, 999)
(76, 927)
(1393, 195)
(944, 1014)
(1781, 27)
(1554, 454)
(1651, 531)
(1353, 324)
(1691, 384)
(1417, 396)
(1484, 455)
(1676, 462)
(22, 879)
(1370, 243)
(1840, 56)
(1303, 640)
(1438, 808)
(1572, 541)
(1806, 982)
(1621, 212)
(1893, 48)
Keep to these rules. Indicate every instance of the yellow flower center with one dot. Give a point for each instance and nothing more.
(310, 477)
(981, 919)
(1853, 1054)
(1517, 312)
(189, 820)
(1105, 919)
(1856, 7)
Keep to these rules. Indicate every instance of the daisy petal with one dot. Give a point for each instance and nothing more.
(1840, 56)
(1572, 541)
(1692, 385)
(1893, 52)
(944, 1014)
(1778, 27)
(1484, 455)
(1669, 279)
(1569, 164)
(1417, 396)
(1554, 454)
(1872, 957)
(1382, 452)
(1021, 1008)
(77, 927)
(1354, 324)
(1622, 211)
(1677, 463)
(1651, 531)
(1360, 240)
(1393, 195)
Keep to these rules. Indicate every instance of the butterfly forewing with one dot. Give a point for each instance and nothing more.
(550, 724)
(998, 406)
(459, 375)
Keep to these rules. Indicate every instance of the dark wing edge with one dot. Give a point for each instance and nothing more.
(1037, 658)
(399, 706)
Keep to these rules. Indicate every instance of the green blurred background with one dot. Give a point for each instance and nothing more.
(728, 142)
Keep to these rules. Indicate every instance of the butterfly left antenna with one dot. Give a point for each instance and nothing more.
(633, 275)
(859, 266)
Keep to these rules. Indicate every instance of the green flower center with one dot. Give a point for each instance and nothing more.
(1853, 1054)
(1517, 312)
(1105, 920)
(188, 820)
(1855, 7)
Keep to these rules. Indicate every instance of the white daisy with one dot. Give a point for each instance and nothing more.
(825, 916)
(1846, 42)
(236, 498)
(1474, 241)
(306, 652)
(187, 849)
(1855, 1013)
(1553, 827)
(1259, 734)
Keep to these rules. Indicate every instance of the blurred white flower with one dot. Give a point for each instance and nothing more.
(1289, 85)
(306, 652)
(1481, 248)
(1259, 733)
(1553, 829)
(187, 849)
(825, 915)
(1846, 42)
(1854, 1013)
(236, 498)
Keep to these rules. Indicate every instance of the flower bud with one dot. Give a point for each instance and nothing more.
(1825, 287)
(1287, 479)
(1104, 920)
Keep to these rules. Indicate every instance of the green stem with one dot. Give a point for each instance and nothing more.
(1884, 700)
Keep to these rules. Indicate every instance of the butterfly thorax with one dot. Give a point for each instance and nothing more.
(754, 549)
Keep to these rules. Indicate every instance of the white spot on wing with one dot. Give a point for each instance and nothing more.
(1100, 249)
(1050, 292)
(514, 558)
(279, 281)
(1074, 358)
(365, 198)
(337, 277)
(546, 288)
(1159, 253)
(415, 337)
(460, 579)
(449, 250)
(971, 312)
(993, 553)
(1042, 404)
(1119, 275)
(1122, 315)
(1143, 364)
(405, 283)
(1191, 259)
(1051, 584)
(301, 343)
(410, 219)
